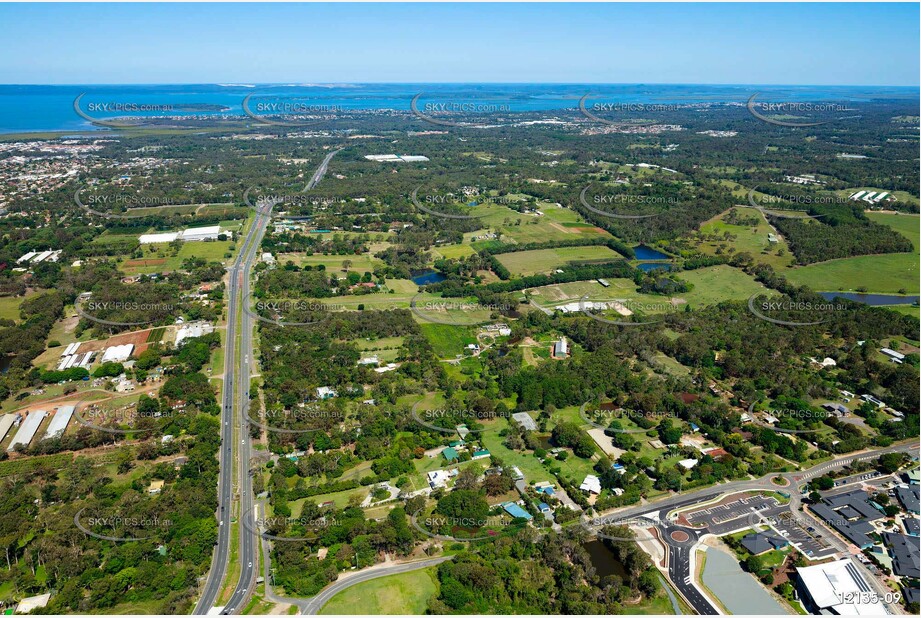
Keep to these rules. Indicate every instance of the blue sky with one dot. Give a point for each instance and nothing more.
(845, 44)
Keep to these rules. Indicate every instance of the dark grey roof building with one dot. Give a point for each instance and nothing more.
(855, 533)
(908, 498)
(857, 500)
(906, 554)
(759, 542)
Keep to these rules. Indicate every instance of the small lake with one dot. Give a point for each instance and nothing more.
(606, 565)
(648, 266)
(876, 300)
(646, 253)
(426, 277)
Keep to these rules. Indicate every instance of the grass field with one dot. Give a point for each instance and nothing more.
(906, 225)
(753, 240)
(555, 223)
(544, 260)
(447, 341)
(883, 274)
(9, 307)
(405, 593)
(715, 284)
(453, 252)
(333, 263)
(712, 285)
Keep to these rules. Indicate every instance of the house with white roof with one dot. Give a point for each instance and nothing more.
(591, 484)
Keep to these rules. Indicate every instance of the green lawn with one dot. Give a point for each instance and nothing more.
(906, 225)
(883, 274)
(752, 240)
(9, 307)
(544, 260)
(405, 593)
(448, 341)
(333, 263)
(715, 284)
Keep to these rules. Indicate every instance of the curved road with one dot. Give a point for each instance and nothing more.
(315, 604)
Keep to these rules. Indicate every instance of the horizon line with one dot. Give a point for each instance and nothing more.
(254, 84)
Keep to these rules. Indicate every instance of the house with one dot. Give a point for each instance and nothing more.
(618, 468)
(440, 478)
(560, 348)
(325, 392)
(895, 356)
(437, 478)
(913, 476)
(462, 431)
(543, 507)
(370, 360)
(912, 526)
(545, 489)
(687, 464)
(908, 498)
(825, 362)
(480, 454)
(516, 473)
(905, 553)
(450, 454)
(758, 543)
(155, 487)
(591, 484)
(524, 419)
(31, 603)
(516, 511)
(836, 408)
(836, 588)
(873, 400)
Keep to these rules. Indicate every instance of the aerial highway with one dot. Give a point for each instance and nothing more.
(233, 395)
(234, 411)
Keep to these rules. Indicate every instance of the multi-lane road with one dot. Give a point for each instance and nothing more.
(235, 458)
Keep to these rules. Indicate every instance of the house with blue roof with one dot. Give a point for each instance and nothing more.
(516, 511)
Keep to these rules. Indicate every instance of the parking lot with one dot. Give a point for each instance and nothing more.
(748, 511)
(725, 518)
(799, 531)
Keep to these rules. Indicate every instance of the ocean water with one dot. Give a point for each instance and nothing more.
(25, 108)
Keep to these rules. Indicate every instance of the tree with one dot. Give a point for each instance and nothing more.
(753, 564)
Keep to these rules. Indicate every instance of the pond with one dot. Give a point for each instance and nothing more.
(425, 277)
(646, 253)
(649, 266)
(606, 565)
(876, 300)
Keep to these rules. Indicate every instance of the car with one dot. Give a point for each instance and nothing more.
(250, 564)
